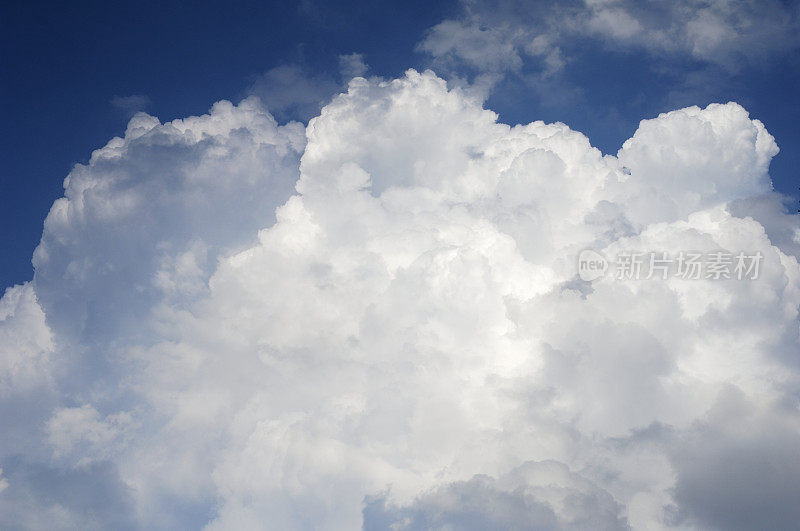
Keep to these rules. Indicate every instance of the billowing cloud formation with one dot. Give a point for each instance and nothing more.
(405, 341)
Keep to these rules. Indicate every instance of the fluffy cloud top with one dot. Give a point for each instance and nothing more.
(404, 341)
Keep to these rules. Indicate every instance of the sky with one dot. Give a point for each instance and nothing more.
(314, 265)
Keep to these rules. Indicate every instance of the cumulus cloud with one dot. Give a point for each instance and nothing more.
(376, 320)
(151, 213)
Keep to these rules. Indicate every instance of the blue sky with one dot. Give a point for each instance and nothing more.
(65, 63)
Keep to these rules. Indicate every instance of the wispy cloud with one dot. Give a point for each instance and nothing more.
(132, 104)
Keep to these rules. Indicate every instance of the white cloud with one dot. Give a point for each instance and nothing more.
(720, 32)
(496, 36)
(409, 318)
(155, 210)
(692, 159)
(26, 341)
(485, 49)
